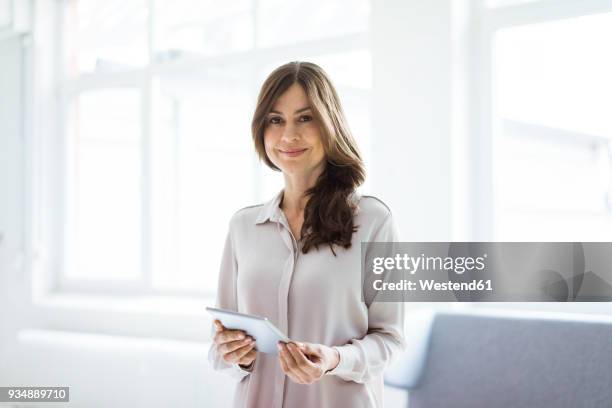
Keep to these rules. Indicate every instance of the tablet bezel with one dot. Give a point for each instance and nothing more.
(266, 334)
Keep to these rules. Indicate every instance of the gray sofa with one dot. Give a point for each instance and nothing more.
(497, 359)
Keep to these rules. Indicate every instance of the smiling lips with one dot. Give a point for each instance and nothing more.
(292, 152)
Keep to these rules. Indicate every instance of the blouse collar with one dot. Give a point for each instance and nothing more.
(271, 210)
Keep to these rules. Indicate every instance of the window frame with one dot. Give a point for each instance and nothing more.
(486, 123)
(489, 21)
(70, 303)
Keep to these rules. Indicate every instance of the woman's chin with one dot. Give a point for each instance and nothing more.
(299, 169)
(294, 168)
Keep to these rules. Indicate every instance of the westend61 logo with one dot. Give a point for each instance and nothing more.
(487, 271)
(411, 264)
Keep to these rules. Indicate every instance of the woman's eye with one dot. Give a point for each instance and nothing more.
(274, 120)
(305, 118)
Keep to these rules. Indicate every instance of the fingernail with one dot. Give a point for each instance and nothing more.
(241, 335)
(279, 346)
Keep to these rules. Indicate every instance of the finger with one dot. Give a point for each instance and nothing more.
(308, 348)
(235, 355)
(243, 351)
(293, 366)
(248, 357)
(283, 363)
(226, 336)
(310, 369)
(287, 370)
(230, 347)
(311, 351)
(218, 325)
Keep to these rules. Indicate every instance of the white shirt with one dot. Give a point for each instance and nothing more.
(315, 297)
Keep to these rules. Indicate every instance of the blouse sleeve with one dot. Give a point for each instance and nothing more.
(365, 358)
(226, 299)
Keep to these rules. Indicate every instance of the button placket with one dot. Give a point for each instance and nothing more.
(283, 296)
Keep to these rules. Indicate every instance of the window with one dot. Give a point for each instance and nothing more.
(106, 171)
(552, 130)
(158, 98)
(548, 105)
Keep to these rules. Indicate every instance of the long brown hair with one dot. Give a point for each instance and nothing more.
(329, 213)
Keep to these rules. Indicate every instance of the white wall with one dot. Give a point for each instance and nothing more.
(411, 114)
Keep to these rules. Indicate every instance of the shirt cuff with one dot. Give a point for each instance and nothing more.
(346, 363)
(237, 372)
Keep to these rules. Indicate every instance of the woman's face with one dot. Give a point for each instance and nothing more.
(292, 135)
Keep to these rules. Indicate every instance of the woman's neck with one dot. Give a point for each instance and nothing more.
(294, 194)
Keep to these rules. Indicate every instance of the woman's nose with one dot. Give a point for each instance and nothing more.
(290, 132)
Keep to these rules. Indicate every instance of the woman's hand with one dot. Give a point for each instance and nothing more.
(306, 363)
(234, 345)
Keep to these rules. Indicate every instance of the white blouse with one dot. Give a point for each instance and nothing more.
(314, 297)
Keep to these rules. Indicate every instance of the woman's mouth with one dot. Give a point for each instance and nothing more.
(292, 152)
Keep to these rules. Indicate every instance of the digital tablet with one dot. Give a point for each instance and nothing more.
(266, 335)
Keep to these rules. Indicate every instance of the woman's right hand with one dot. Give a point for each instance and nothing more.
(235, 346)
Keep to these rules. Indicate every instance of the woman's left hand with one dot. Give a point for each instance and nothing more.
(306, 363)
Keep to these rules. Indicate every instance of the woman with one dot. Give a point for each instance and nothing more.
(297, 259)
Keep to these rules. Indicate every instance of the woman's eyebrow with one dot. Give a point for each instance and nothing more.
(295, 113)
